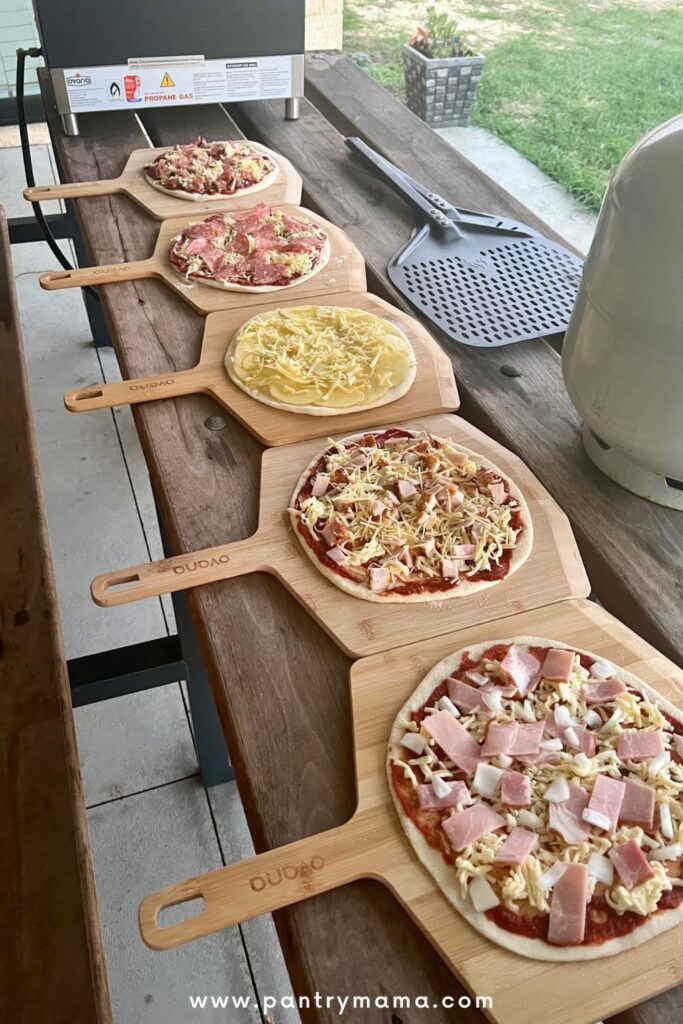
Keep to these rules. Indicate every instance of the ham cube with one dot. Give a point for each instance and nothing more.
(471, 824)
(567, 923)
(521, 669)
(565, 818)
(454, 740)
(338, 555)
(463, 550)
(638, 805)
(517, 847)
(450, 570)
(678, 744)
(379, 579)
(428, 800)
(497, 492)
(499, 738)
(635, 745)
(631, 864)
(602, 691)
(320, 484)
(515, 789)
(456, 458)
(406, 490)
(467, 698)
(528, 738)
(606, 800)
(558, 665)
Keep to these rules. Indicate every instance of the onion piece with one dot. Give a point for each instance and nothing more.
(563, 719)
(594, 817)
(527, 712)
(478, 678)
(504, 760)
(446, 704)
(657, 763)
(602, 669)
(558, 791)
(552, 744)
(571, 737)
(482, 895)
(666, 825)
(582, 762)
(486, 779)
(592, 719)
(601, 868)
(440, 787)
(529, 819)
(414, 741)
(672, 852)
(551, 877)
(493, 699)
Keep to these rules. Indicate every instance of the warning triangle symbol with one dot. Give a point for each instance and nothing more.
(167, 82)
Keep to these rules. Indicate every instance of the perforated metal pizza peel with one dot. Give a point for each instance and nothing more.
(553, 572)
(284, 188)
(433, 390)
(343, 272)
(372, 845)
(484, 281)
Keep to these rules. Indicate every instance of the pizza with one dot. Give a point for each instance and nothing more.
(258, 250)
(541, 787)
(401, 515)
(212, 170)
(321, 360)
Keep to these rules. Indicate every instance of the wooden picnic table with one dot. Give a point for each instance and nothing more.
(280, 683)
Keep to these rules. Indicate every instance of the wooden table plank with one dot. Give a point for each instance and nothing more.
(633, 549)
(51, 960)
(281, 684)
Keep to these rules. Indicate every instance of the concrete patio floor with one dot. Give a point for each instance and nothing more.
(151, 821)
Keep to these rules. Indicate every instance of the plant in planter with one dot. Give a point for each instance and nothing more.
(441, 72)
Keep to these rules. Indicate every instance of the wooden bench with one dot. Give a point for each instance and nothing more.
(51, 961)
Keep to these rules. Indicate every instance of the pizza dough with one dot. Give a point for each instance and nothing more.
(475, 860)
(204, 171)
(402, 516)
(256, 250)
(321, 360)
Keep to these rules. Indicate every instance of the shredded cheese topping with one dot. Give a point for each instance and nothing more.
(402, 509)
(518, 888)
(321, 356)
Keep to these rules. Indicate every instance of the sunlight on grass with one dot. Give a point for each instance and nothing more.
(572, 87)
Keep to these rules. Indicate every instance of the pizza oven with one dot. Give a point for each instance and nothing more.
(128, 55)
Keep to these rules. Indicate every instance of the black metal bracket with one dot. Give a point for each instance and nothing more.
(110, 674)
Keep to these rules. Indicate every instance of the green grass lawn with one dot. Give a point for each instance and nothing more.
(571, 84)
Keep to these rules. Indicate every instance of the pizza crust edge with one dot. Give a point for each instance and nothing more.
(519, 555)
(443, 873)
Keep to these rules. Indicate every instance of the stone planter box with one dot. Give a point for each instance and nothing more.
(441, 90)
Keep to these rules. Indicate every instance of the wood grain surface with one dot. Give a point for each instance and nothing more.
(51, 959)
(552, 572)
(343, 272)
(299, 781)
(285, 188)
(434, 389)
(373, 843)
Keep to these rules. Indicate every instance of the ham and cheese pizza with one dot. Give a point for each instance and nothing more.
(260, 250)
(212, 170)
(541, 787)
(321, 360)
(400, 515)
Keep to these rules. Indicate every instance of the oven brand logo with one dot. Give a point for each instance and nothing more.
(291, 871)
(200, 563)
(79, 79)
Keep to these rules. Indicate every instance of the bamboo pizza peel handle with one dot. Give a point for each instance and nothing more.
(131, 392)
(181, 572)
(256, 886)
(108, 274)
(71, 190)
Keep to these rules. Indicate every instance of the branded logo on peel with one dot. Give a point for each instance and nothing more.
(152, 384)
(289, 872)
(200, 563)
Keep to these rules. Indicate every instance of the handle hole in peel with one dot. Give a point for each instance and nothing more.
(59, 275)
(176, 913)
(81, 396)
(122, 583)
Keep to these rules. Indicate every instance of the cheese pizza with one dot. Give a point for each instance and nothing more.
(541, 787)
(258, 250)
(321, 360)
(212, 170)
(400, 515)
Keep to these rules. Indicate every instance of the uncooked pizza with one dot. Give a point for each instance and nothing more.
(541, 787)
(321, 360)
(401, 515)
(259, 250)
(212, 170)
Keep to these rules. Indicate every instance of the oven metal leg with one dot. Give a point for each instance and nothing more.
(292, 108)
(98, 326)
(212, 754)
(70, 124)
